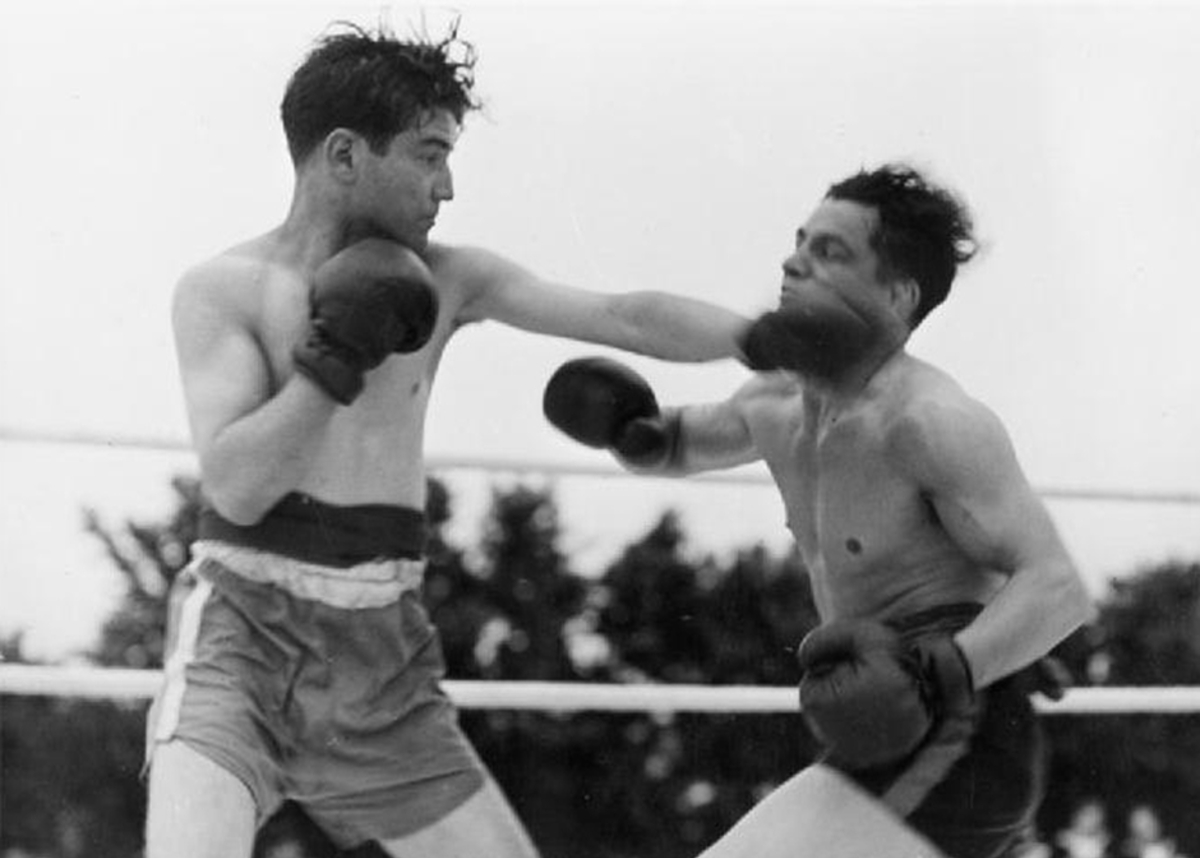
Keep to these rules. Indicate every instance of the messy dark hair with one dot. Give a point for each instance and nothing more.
(924, 231)
(375, 84)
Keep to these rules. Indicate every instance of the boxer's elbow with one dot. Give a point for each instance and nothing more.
(238, 500)
(240, 508)
(1070, 597)
(1086, 610)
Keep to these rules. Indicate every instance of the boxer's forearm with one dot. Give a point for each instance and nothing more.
(706, 437)
(672, 327)
(255, 460)
(1036, 609)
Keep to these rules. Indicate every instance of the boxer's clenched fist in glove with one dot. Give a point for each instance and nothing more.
(604, 404)
(370, 300)
(870, 698)
(821, 338)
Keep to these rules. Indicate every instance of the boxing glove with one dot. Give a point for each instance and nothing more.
(821, 338)
(870, 698)
(372, 299)
(604, 404)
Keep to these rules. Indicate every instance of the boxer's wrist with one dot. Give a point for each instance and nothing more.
(651, 443)
(329, 368)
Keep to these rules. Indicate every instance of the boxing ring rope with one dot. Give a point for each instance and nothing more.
(117, 683)
(12, 434)
(558, 697)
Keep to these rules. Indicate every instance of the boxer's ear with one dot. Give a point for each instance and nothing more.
(905, 296)
(341, 152)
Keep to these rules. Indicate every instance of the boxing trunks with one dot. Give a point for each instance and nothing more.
(301, 659)
(971, 789)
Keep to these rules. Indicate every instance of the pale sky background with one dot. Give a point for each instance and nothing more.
(624, 146)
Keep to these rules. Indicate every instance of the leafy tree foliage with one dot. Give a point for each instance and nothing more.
(1148, 633)
(71, 784)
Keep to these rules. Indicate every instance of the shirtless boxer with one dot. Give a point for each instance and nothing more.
(302, 664)
(938, 575)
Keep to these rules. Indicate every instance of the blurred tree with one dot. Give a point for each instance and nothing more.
(669, 785)
(1149, 629)
(1147, 633)
(524, 594)
(71, 784)
(456, 596)
(654, 613)
(529, 585)
(148, 557)
(70, 774)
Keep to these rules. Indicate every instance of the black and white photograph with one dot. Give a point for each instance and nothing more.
(632, 429)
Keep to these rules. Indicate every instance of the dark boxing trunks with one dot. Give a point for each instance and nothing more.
(302, 661)
(304, 528)
(971, 789)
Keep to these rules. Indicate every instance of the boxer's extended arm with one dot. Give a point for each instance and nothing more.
(658, 324)
(602, 403)
(714, 436)
(253, 446)
(961, 456)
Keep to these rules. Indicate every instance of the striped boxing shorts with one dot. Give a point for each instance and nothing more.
(971, 789)
(301, 659)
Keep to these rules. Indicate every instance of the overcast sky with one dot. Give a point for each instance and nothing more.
(623, 146)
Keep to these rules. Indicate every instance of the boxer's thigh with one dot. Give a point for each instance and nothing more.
(821, 812)
(483, 825)
(197, 808)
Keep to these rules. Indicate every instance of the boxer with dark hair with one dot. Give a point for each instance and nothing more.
(303, 665)
(939, 577)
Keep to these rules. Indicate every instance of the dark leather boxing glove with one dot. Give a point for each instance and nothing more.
(821, 338)
(605, 404)
(372, 299)
(858, 696)
(870, 698)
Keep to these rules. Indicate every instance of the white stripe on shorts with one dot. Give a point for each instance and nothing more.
(182, 654)
(374, 584)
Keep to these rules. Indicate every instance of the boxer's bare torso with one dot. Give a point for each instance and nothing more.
(258, 298)
(870, 534)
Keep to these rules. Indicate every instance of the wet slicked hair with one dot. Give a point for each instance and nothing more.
(374, 84)
(924, 231)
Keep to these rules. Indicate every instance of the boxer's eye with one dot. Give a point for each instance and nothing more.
(830, 249)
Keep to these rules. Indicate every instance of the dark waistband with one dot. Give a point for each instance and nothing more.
(942, 619)
(304, 528)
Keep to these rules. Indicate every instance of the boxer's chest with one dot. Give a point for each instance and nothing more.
(847, 504)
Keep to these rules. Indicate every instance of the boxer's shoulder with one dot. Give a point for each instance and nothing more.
(239, 281)
(462, 272)
(770, 401)
(460, 266)
(767, 389)
(935, 422)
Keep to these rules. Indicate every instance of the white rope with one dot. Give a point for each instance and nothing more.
(752, 476)
(117, 683)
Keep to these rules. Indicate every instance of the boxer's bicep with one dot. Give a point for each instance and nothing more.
(221, 364)
(715, 436)
(654, 323)
(499, 289)
(962, 461)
